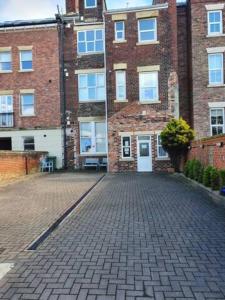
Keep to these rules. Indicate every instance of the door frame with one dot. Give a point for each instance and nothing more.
(150, 151)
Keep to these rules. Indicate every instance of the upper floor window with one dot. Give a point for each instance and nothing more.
(148, 84)
(161, 153)
(216, 69)
(28, 143)
(92, 87)
(217, 121)
(26, 60)
(27, 104)
(147, 30)
(121, 85)
(90, 41)
(119, 31)
(215, 22)
(90, 3)
(5, 61)
(6, 111)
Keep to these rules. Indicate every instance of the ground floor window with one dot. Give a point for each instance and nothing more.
(217, 121)
(92, 137)
(126, 146)
(28, 143)
(161, 153)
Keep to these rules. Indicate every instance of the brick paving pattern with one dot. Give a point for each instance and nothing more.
(29, 207)
(135, 237)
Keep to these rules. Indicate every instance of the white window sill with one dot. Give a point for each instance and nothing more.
(121, 101)
(91, 101)
(89, 53)
(93, 154)
(119, 42)
(162, 159)
(26, 71)
(5, 71)
(126, 159)
(147, 43)
(215, 85)
(215, 35)
(149, 102)
(27, 116)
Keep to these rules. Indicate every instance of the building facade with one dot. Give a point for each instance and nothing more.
(30, 116)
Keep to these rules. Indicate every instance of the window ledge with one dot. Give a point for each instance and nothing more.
(215, 85)
(162, 159)
(89, 53)
(28, 116)
(5, 72)
(121, 101)
(147, 43)
(26, 71)
(93, 154)
(215, 35)
(92, 101)
(149, 102)
(126, 159)
(119, 42)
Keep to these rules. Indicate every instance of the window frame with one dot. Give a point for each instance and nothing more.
(155, 31)
(21, 61)
(209, 23)
(10, 61)
(93, 138)
(7, 113)
(159, 145)
(222, 69)
(88, 7)
(96, 87)
(210, 121)
(157, 88)
(116, 31)
(118, 85)
(21, 105)
(28, 137)
(122, 146)
(95, 40)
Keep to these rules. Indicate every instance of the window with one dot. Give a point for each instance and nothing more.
(161, 153)
(92, 137)
(92, 87)
(216, 68)
(6, 111)
(217, 121)
(126, 146)
(119, 31)
(90, 41)
(28, 143)
(27, 105)
(121, 85)
(90, 3)
(5, 61)
(215, 24)
(148, 82)
(147, 30)
(26, 60)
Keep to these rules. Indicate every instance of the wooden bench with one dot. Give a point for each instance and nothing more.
(91, 163)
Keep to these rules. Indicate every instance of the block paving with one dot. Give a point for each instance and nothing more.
(135, 237)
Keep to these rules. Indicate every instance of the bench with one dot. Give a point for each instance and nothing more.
(104, 163)
(91, 163)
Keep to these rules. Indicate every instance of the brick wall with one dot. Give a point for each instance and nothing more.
(209, 151)
(15, 164)
(44, 79)
(88, 14)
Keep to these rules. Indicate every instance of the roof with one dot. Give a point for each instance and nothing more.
(18, 23)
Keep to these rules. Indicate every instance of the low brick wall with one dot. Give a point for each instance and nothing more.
(209, 151)
(16, 164)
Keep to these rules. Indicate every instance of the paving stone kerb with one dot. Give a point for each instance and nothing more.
(29, 207)
(135, 237)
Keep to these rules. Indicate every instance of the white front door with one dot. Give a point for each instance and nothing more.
(144, 154)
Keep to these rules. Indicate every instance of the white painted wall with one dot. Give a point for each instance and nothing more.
(52, 143)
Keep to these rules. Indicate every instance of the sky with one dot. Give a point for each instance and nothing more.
(35, 9)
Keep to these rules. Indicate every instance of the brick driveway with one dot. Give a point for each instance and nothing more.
(29, 207)
(134, 237)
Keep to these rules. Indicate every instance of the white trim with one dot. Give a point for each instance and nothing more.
(89, 71)
(118, 85)
(83, 27)
(148, 69)
(218, 6)
(139, 31)
(117, 31)
(94, 41)
(21, 105)
(221, 70)
(122, 147)
(149, 101)
(20, 55)
(221, 23)
(219, 125)
(216, 104)
(158, 146)
(215, 50)
(89, 7)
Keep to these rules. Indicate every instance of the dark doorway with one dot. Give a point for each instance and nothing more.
(5, 144)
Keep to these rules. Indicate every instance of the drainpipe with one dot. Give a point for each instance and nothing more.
(106, 102)
(60, 23)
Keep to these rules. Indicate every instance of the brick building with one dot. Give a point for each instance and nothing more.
(30, 117)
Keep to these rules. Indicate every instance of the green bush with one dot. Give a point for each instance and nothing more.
(222, 178)
(191, 169)
(215, 179)
(187, 168)
(196, 169)
(207, 176)
(200, 176)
